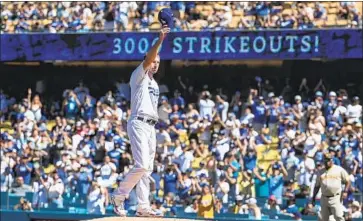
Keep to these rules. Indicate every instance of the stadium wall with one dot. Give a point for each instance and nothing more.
(16, 79)
(204, 45)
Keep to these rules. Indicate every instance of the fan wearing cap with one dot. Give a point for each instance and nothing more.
(330, 104)
(276, 179)
(355, 210)
(259, 110)
(206, 104)
(273, 114)
(239, 208)
(340, 111)
(330, 181)
(272, 206)
(254, 210)
(354, 111)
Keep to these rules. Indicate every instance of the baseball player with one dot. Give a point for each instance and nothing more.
(330, 181)
(141, 131)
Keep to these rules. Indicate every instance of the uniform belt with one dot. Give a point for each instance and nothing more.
(332, 195)
(147, 120)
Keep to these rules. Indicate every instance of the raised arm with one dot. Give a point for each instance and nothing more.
(153, 52)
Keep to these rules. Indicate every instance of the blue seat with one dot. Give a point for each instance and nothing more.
(300, 202)
(3, 198)
(231, 215)
(309, 217)
(13, 200)
(29, 196)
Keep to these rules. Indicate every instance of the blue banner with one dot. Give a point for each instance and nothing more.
(222, 45)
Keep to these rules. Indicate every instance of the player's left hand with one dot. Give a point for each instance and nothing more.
(163, 32)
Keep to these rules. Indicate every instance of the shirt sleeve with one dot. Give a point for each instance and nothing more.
(137, 75)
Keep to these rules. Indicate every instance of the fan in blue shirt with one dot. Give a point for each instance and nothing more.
(24, 169)
(250, 160)
(115, 154)
(170, 180)
(276, 180)
(178, 100)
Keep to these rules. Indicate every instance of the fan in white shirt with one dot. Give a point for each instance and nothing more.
(354, 111)
(206, 105)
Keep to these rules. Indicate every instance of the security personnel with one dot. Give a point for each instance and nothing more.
(330, 181)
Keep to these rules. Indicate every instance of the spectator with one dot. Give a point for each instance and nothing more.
(292, 210)
(354, 111)
(97, 199)
(222, 107)
(192, 208)
(121, 15)
(170, 179)
(309, 210)
(239, 208)
(6, 177)
(272, 207)
(253, 210)
(23, 205)
(20, 188)
(355, 210)
(71, 105)
(107, 173)
(276, 180)
(206, 105)
(56, 191)
(41, 190)
(261, 183)
(222, 189)
(24, 170)
(206, 203)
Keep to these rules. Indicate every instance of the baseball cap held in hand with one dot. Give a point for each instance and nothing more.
(166, 17)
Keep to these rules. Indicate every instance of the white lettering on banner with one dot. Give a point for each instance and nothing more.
(177, 47)
(191, 43)
(316, 43)
(244, 40)
(255, 44)
(129, 42)
(291, 39)
(218, 40)
(205, 45)
(209, 45)
(279, 44)
(305, 45)
(228, 44)
(145, 43)
(117, 46)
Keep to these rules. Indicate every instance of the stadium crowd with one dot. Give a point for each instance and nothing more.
(81, 17)
(255, 153)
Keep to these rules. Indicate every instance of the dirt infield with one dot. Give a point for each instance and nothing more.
(136, 219)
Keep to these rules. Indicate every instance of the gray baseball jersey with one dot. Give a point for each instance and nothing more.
(331, 180)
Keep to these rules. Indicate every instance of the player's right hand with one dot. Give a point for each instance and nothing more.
(163, 32)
